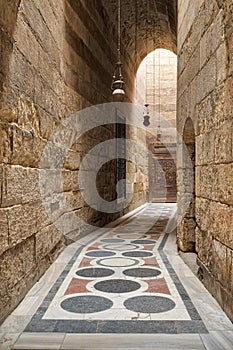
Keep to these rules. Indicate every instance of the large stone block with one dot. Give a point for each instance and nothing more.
(228, 106)
(46, 241)
(221, 56)
(210, 184)
(5, 142)
(52, 15)
(22, 77)
(221, 223)
(75, 199)
(8, 115)
(222, 263)
(224, 143)
(70, 180)
(206, 81)
(28, 116)
(186, 234)
(202, 212)
(26, 41)
(208, 150)
(204, 247)
(185, 180)
(212, 38)
(27, 148)
(39, 26)
(20, 185)
(15, 263)
(4, 231)
(25, 220)
(211, 110)
(225, 189)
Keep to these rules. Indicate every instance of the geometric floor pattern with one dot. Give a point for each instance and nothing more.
(120, 282)
(126, 280)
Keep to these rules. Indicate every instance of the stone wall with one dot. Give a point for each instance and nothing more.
(57, 57)
(205, 94)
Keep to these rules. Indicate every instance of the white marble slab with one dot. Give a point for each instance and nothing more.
(218, 340)
(42, 341)
(132, 342)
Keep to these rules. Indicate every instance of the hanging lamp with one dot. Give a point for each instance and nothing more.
(159, 133)
(146, 113)
(118, 84)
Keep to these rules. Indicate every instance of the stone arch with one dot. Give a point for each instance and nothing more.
(186, 189)
(155, 84)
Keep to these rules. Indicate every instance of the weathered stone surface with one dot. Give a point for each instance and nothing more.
(5, 142)
(222, 223)
(185, 234)
(202, 212)
(211, 110)
(204, 247)
(15, 264)
(25, 221)
(57, 57)
(20, 185)
(222, 263)
(209, 90)
(210, 183)
(46, 241)
(27, 149)
(4, 231)
(223, 143)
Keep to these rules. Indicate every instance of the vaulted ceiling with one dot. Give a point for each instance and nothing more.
(145, 24)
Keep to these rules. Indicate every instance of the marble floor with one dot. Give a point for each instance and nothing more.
(124, 287)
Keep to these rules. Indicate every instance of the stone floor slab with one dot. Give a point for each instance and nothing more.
(221, 340)
(39, 341)
(196, 322)
(133, 342)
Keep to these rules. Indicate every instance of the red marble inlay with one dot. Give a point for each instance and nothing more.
(92, 248)
(151, 262)
(95, 246)
(154, 236)
(149, 247)
(77, 286)
(85, 262)
(158, 286)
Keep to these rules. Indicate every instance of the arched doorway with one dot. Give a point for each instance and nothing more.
(156, 86)
(186, 194)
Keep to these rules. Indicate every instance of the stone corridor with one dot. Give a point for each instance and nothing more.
(107, 109)
(123, 286)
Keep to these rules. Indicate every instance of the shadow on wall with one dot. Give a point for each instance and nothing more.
(186, 188)
(8, 20)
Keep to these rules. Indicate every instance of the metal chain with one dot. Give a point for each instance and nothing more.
(119, 29)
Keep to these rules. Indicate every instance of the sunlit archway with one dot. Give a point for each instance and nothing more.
(156, 86)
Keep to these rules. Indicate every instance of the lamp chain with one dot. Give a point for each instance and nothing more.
(159, 90)
(119, 30)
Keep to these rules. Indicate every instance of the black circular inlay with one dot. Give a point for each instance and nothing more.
(112, 240)
(95, 272)
(142, 272)
(138, 254)
(143, 241)
(149, 304)
(100, 253)
(85, 304)
(117, 286)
